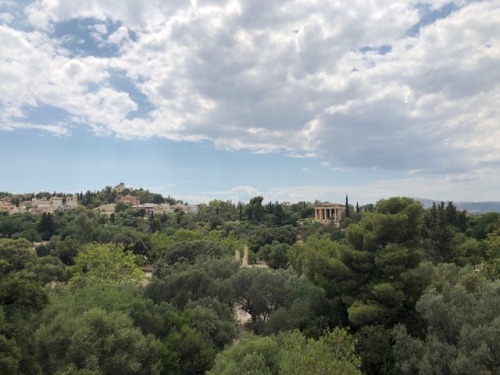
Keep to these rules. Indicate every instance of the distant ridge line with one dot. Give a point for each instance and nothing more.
(472, 207)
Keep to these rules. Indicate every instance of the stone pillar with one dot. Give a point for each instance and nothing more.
(237, 255)
(244, 263)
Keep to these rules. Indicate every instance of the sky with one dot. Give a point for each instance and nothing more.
(229, 99)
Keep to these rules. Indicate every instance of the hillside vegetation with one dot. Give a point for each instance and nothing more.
(396, 289)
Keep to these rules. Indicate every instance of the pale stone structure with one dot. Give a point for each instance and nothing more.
(120, 187)
(130, 199)
(327, 212)
(107, 209)
(244, 262)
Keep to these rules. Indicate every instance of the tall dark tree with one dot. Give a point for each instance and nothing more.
(47, 226)
(347, 213)
(254, 210)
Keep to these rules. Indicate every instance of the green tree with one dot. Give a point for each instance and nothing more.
(395, 221)
(259, 291)
(47, 226)
(463, 327)
(106, 263)
(254, 210)
(492, 265)
(99, 341)
(332, 353)
(186, 282)
(9, 352)
(21, 299)
(214, 320)
(275, 255)
(347, 213)
(289, 353)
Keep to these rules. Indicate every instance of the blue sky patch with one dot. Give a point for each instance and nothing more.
(44, 114)
(119, 81)
(381, 50)
(87, 37)
(428, 16)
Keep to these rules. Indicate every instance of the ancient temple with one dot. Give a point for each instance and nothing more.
(327, 212)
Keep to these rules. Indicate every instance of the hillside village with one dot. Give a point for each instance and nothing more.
(68, 202)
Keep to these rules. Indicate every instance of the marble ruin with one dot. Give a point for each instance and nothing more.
(327, 212)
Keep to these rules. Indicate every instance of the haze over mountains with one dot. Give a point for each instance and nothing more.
(472, 207)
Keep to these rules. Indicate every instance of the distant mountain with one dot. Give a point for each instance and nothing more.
(472, 207)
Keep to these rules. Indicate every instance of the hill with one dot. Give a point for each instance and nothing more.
(472, 207)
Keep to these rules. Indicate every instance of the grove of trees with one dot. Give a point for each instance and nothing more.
(396, 289)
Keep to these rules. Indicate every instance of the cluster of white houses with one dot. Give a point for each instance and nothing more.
(42, 205)
(149, 208)
(57, 204)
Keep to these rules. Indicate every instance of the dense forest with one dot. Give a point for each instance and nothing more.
(395, 289)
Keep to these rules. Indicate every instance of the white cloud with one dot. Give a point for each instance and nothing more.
(416, 186)
(299, 77)
(54, 129)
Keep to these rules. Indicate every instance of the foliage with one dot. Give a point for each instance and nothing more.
(275, 255)
(189, 251)
(259, 291)
(395, 221)
(98, 341)
(98, 263)
(214, 320)
(492, 264)
(21, 298)
(463, 327)
(290, 353)
(189, 282)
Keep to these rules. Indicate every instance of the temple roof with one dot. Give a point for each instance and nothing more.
(328, 205)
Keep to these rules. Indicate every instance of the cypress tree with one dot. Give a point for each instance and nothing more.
(347, 206)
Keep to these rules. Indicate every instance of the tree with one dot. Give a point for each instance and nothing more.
(96, 340)
(332, 353)
(47, 226)
(254, 210)
(189, 251)
(21, 298)
(463, 327)
(275, 255)
(492, 265)
(395, 221)
(306, 309)
(260, 291)
(441, 234)
(290, 353)
(251, 355)
(103, 263)
(347, 213)
(214, 320)
(10, 355)
(186, 282)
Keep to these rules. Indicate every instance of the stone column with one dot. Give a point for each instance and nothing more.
(237, 255)
(244, 263)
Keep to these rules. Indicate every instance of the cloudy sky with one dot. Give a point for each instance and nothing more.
(228, 99)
